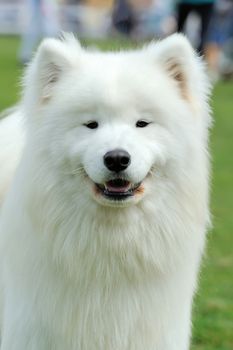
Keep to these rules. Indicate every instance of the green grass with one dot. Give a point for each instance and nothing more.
(213, 311)
(9, 72)
(213, 317)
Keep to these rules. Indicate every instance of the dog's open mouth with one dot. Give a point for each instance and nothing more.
(118, 189)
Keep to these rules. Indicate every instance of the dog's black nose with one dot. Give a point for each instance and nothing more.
(117, 160)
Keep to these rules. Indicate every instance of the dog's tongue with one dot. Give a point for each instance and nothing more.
(118, 185)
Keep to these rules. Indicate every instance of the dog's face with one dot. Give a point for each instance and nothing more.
(116, 150)
(116, 122)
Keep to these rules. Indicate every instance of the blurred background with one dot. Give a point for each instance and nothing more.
(115, 24)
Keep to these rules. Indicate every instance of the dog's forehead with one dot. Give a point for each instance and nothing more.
(116, 81)
(119, 68)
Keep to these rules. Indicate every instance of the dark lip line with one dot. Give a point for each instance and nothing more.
(117, 195)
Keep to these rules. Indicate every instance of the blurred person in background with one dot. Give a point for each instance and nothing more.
(219, 48)
(204, 9)
(123, 17)
(156, 19)
(42, 20)
(144, 18)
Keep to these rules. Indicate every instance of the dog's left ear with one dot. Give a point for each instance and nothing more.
(179, 60)
(51, 62)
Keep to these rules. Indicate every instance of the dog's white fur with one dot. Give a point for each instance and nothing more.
(11, 143)
(81, 272)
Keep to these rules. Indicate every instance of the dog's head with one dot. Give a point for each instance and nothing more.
(116, 123)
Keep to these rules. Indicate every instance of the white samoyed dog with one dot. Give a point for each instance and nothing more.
(103, 227)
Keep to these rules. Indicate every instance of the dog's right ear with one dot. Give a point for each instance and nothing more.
(179, 61)
(52, 60)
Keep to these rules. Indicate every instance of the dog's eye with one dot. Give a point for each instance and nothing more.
(92, 125)
(142, 124)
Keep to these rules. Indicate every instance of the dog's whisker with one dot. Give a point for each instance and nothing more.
(152, 171)
(76, 171)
